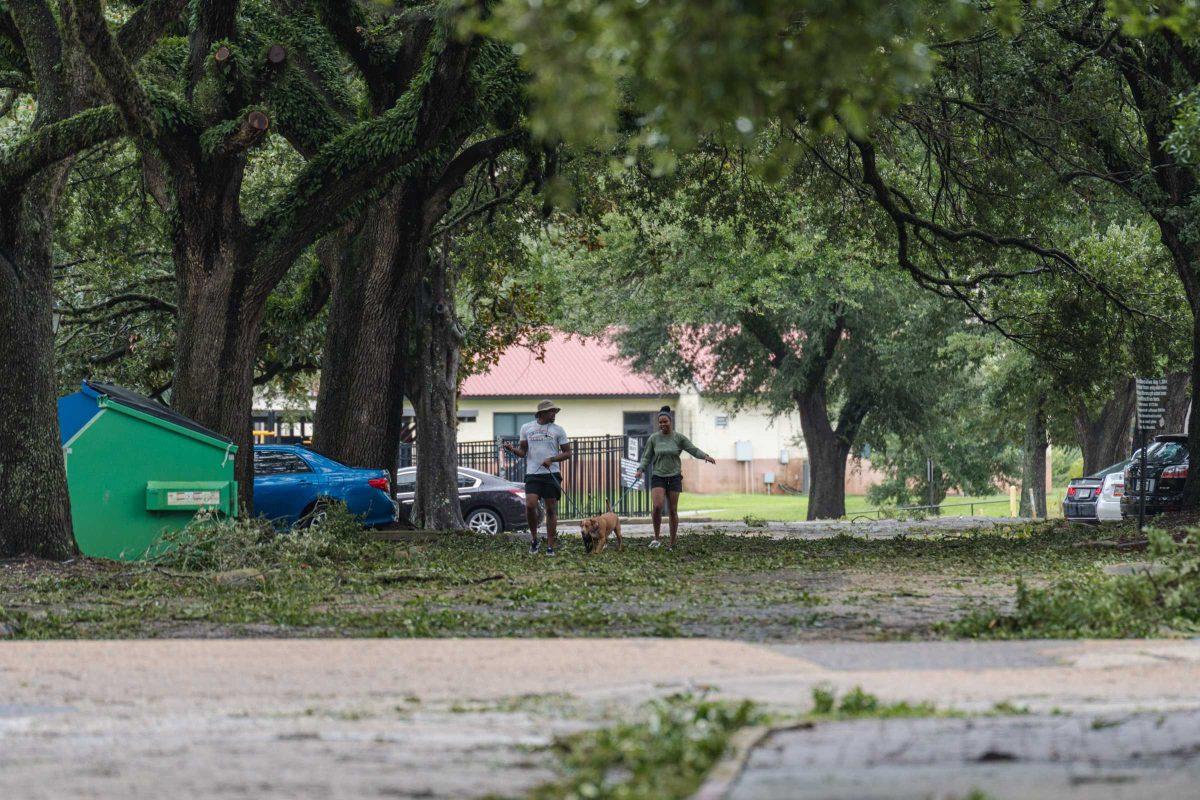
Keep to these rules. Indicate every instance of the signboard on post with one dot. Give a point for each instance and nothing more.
(628, 468)
(632, 445)
(1151, 392)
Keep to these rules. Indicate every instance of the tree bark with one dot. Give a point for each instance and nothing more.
(1105, 440)
(217, 332)
(1191, 487)
(33, 481)
(1179, 400)
(372, 267)
(1033, 462)
(437, 350)
(827, 454)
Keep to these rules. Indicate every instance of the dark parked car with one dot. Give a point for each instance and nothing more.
(1166, 471)
(293, 484)
(1084, 495)
(489, 504)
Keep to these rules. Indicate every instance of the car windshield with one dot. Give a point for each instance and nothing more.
(1163, 453)
(1104, 473)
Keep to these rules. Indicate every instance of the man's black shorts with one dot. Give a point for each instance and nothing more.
(543, 485)
(672, 483)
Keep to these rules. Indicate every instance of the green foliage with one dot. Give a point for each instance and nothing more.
(211, 544)
(663, 756)
(858, 704)
(676, 71)
(712, 585)
(754, 521)
(1163, 597)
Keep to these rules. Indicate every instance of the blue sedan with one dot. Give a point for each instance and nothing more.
(292, 485)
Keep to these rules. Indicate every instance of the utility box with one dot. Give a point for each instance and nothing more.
(136, 469)
(743, 451)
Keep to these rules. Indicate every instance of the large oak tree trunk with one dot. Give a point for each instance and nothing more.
(827, 454)
(1178, 401)
(372, 268)
(437, 351)
(1033, 461)
(33, 481)
(1191, 489)
(216, 343)
(1105, 439)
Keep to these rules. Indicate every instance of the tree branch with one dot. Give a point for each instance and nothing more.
(43, 47)
(143, 29)
(148, 301)
(456, 171)
(902, 219)
(47, 145)
(127, 92)
(365, 159)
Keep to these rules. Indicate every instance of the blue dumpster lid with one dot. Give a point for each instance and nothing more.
(131, 399)
(74, 412)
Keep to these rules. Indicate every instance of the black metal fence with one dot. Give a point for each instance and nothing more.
(591, 478)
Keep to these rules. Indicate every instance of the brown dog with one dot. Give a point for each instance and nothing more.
(597, 529)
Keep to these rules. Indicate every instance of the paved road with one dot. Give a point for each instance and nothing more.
(1147, 755)
(465, 718)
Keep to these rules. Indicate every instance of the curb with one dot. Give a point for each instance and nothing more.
(728, 769)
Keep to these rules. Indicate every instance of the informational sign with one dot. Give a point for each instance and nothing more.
(193, 498)
(632, 445)
(1151, 395)
(628, 468)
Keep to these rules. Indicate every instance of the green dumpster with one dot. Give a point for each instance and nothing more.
(135, 469)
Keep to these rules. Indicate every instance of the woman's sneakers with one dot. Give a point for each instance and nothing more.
(655, 544)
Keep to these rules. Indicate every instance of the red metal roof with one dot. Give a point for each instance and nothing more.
(572, 367)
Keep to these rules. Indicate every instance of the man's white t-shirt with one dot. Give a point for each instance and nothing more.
(545, 440)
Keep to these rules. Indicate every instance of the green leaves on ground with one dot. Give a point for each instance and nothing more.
(662, 756)
(1159, 598)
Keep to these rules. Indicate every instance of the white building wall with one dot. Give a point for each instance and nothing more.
(697, 417)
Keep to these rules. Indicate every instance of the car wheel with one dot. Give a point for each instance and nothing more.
(315, 515)
(484, 520)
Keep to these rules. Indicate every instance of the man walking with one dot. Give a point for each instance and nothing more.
(543, 445)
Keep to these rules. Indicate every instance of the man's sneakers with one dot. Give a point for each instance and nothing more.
(533, 548)
(655, 544)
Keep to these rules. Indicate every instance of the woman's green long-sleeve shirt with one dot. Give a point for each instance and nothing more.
(663, 450)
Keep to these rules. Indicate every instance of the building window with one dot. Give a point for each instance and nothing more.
(722, 420)
(637, 423)
(507, 426)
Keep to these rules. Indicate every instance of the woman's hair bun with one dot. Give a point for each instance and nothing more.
(666, 409)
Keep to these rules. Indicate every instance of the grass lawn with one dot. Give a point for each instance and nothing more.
(446, 584)
(785, 508)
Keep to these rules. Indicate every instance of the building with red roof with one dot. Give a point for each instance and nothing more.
(601, 394)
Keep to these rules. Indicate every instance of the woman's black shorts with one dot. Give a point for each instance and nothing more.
(672, 483)
(543, 485)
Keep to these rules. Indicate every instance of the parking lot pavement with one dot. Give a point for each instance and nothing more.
(467, 718)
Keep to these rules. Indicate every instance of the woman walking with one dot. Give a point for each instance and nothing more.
(666, 476)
